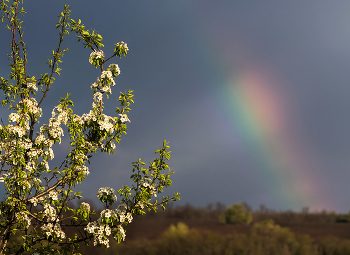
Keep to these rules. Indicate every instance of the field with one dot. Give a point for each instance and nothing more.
(152, 228)
(189, 230)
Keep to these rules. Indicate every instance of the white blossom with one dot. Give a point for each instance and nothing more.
(98, 96)
(82, 168)
(121, 232)
(85, 206)
(140, 204)
(53, 195)
(22, 216)
(34, 201)
(32, 106)
(16, 130)
(39, 139)
(50, 212)
(112, 145)
(33, 86)
(96, 55)
(107, 191)
(123, 45)
(13, 117)
(114, 69)
(50, 229)
(124, 118)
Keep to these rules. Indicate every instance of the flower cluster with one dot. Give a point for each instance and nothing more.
(104, 82)
(16, 130)
(106, 123)
(90, 117)
(120, 233)
(98, 96)
(50, 212)
(124, 118)
(112, 145)
(100, 232)
(125, 217)
(35, 200)
(114, 68)
(13, 117)
(85, 206)
(32, 86)
(101, 228)
(53, 195)
(140, 205)
(83, 169)
(145, 185)
(54, 129)
(31, 106)
(121, 49)
(33, 153)
(23, 217)
(53, 230)
(107, 194)
(25, 143)
(120, 213)
(123, 45)
(107, 77)
(96, 57)
(80, 158)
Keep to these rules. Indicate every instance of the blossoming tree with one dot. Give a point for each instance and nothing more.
(35, 213)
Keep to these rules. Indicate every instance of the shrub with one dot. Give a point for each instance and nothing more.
(35, 215)
(236, 214)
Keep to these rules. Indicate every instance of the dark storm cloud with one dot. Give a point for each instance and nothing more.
(308, 43)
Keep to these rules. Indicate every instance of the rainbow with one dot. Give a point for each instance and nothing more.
(257, 111)
(260, 117)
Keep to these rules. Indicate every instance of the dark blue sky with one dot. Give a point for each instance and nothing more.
(253, 96)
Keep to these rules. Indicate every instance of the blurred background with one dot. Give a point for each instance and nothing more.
(252, 96)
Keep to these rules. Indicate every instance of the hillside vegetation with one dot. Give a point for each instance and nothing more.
(189, 230)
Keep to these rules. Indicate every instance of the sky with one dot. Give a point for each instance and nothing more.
(252, 96)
